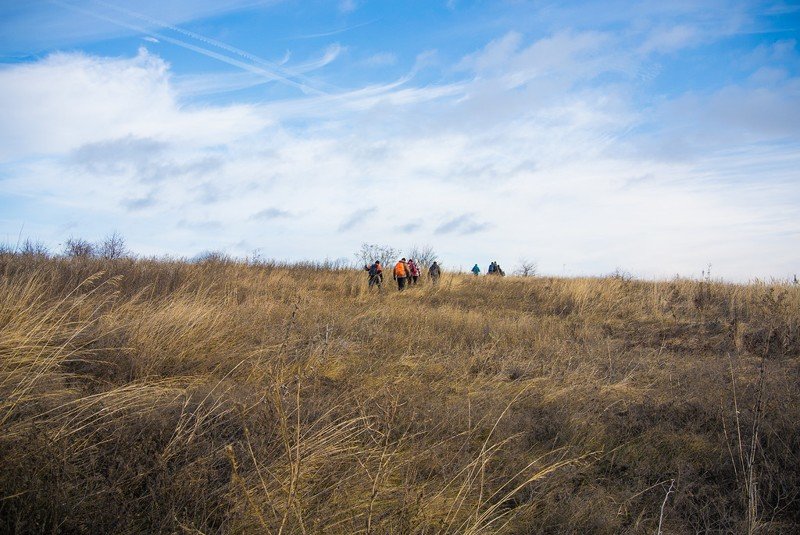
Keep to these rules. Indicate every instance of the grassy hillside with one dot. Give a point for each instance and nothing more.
(153, 396)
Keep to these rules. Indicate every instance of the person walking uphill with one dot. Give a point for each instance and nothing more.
(434, 272)
(476, 270)
(413, 270)
(375, 274)
(401, 273)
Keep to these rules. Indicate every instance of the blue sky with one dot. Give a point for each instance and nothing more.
(657, 137)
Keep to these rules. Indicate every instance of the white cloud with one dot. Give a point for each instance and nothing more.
(347, 6)
(381, 59)
(670, 39)
(331, 53)
(67, 100)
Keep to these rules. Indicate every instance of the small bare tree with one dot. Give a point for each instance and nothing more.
(113, 247)
(79, 248)
(621, 274)
(370, 252)
(34, 248)
(526, 268)
(423, 255)
(212, 257)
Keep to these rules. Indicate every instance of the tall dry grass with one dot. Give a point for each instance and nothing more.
(218, 397)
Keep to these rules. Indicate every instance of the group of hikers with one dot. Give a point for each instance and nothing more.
(405, 272)
(408, 272)
(494, 269)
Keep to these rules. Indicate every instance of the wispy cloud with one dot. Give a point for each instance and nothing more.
(381, 59)
(463, 224)
(347, 6)
(269, 214)
(411, 227)
(111, 156)
(331, 53)
(139, 203)
(201, 225)
(356, 218)
(670, 39)
(336, 31)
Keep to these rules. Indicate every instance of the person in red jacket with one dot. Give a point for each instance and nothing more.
(413, 270)
(401, 273)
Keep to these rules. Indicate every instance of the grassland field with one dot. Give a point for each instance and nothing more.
(160, 396)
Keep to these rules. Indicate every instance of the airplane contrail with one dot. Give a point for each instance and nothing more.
(267, 73)
(332, 32)
(273, 73)
(288, 73)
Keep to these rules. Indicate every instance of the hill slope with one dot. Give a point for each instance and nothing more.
(146, 396)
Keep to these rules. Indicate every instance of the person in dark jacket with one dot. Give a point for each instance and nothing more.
(375, 272)
(434, 272)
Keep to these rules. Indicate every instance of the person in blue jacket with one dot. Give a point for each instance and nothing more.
(476, 270)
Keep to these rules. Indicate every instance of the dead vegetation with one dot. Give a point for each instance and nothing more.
(217, 397)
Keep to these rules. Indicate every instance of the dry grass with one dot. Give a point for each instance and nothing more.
(159, 396)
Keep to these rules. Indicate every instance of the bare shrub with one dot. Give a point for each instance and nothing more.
(621, 274)
(212, 257)
(526, 268)
(79, 248)
(34, 248)
(112, 247)
(423, 255)
(370, 252)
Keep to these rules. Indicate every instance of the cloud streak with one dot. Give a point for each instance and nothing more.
(464, 224)
(356, 219)
(269, 214)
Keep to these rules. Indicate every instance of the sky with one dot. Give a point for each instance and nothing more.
(652, 137)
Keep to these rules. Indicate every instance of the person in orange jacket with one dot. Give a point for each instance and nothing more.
(401, 273)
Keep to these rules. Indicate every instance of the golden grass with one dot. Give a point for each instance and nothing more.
(162, 396)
